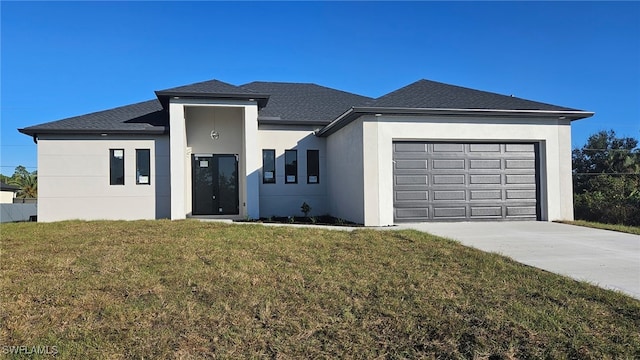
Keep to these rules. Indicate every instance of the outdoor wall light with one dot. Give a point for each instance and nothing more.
(214, 134)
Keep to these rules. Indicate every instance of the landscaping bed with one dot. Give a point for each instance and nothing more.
(305, 220)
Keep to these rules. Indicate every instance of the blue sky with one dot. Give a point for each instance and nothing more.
(65, 59)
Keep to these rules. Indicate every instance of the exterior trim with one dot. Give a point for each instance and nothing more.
(163, 96)
(153, 131)
(272, 121)
(356, 112)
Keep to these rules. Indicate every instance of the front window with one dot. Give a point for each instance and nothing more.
(290, 166)
(116, 166)
(143, 166)
(268, 166)
(313, 167)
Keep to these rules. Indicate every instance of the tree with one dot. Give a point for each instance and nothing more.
(607, 179)
(26, 181)
(5, 179)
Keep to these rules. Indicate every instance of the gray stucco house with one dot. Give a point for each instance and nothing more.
(426, 152)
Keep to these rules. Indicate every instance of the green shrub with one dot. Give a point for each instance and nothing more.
(612, 199)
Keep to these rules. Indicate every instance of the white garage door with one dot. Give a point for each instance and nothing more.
(436, 181)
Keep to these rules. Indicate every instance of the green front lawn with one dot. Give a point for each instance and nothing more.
(188, 289)
(620, 228)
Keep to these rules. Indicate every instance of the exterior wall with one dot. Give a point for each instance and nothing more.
(6, 197)
(346, 173)
(554, 137)
(73, 179)
(191, 122)
(282, 199)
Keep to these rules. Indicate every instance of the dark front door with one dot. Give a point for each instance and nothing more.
(215, 185)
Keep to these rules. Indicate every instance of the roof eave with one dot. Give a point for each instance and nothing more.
(157, 130)
(7, 187)
(567, 114)
(356, 112)
(263, 121)
(163, 96)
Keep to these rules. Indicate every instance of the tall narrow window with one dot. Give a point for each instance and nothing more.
(143, 166)
(116, 166)
(268, 166)
(290, 166)
(313, 167)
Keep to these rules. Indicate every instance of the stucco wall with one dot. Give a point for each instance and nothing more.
(554, 137)
(73, 179)
(282, 199)
(345, 172)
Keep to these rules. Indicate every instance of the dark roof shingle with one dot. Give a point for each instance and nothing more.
(143, 117)
(208, 87)
(435, 95)
(304, 102)
(287, 103)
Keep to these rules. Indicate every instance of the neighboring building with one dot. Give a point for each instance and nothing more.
(11, 210)
(428, 151)
(7, 193)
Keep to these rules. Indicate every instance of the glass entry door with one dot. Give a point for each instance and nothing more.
(215, 184)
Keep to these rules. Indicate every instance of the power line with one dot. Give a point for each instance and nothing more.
(614, 173)
(624, 150)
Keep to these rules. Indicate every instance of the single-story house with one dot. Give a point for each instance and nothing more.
(426, 152)
(7, 193)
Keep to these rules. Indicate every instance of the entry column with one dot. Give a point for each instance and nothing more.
(177, 150)
(252, 162)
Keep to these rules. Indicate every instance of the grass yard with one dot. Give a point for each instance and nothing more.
(187, 289)
(621, 228)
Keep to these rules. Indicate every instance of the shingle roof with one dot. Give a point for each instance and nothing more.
(212, 89)
(208, 87)
(303, 102)
(436, 95)
(7, 187)
(143, 117)
(299, 103)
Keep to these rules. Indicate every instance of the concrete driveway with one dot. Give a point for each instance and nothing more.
(605, 258)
